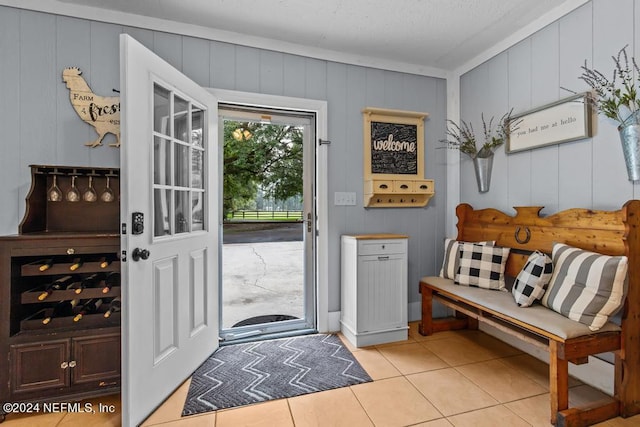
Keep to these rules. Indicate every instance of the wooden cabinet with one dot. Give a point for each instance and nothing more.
(56, 348)
(64, 364)
(374, 288)
(394, 159)
(65, 356)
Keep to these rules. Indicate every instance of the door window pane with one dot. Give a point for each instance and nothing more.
(161, 214)
(197, 207)
(183, 211)
(181, 119)
(197, 168)
(161, 110)
(182, 165)
(197, 125)
(161, 161)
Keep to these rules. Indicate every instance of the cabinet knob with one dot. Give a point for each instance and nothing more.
(72, 364)
(71, 251)
(64, 365)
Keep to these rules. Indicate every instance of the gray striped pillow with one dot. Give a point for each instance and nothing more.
(451, 261)
(586, 286)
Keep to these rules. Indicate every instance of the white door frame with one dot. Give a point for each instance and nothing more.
(322, 242)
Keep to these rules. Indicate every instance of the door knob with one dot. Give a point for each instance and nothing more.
(139, 254)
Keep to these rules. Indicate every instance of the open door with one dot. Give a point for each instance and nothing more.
(169, 211)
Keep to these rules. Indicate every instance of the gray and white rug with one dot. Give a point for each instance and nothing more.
(241, 374)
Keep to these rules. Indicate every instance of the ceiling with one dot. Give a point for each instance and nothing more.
(438, 34)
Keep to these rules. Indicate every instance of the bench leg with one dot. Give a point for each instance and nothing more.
(558, 381)
(426, 325)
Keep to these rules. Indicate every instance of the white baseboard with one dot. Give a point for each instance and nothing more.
(333, 322)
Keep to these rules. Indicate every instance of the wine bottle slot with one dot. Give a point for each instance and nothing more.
(104, 262)
(89, 307)
(114, 306)
(45, 265)
(91, 281)
(76, 264)
(62, 309)
(56, 285)
(112, 279)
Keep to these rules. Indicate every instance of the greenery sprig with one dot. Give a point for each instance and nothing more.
(462, 137)
(615, 98)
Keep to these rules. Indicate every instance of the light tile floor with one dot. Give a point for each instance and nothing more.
(464, 378)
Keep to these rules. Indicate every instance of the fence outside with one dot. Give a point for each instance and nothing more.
(265, 215)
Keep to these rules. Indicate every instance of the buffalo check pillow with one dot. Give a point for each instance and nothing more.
(532, 280)
(451, 260)
(586, 286)
(482, 266)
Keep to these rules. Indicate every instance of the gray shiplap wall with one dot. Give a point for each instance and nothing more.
(40, 126)
(588, 173)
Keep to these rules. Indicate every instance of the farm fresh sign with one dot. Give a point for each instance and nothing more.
(101, 112)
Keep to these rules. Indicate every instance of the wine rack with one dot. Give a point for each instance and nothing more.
(54, 354)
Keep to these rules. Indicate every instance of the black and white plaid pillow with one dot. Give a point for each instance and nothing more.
(532, 280)
(450, 263)
(482, 266)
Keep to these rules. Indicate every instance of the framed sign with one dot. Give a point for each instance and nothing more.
(393, 144)
(566, 120)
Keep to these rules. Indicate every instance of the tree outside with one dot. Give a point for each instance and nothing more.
(262, 167)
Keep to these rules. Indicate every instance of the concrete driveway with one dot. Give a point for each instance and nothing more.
(262, 272)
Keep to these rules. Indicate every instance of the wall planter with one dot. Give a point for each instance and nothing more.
(630, 139)
(483, 166)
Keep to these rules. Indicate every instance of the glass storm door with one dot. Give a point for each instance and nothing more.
(267, 256)
(170, 234)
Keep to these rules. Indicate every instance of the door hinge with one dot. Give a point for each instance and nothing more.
(123, 256)
(124, 228)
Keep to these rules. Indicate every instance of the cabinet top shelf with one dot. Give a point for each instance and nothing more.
(377, 236)
(75, 170)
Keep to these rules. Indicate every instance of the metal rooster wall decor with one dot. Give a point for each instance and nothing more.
(101, 112)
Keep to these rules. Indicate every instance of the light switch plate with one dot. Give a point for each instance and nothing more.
(344, 198)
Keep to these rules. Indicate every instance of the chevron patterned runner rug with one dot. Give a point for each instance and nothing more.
(241, 374)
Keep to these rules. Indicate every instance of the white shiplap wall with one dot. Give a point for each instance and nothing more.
(39, 125)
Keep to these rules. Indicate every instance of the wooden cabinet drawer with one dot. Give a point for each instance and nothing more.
(424, 186)
(381, 247)
(379, 186)
(403, 186)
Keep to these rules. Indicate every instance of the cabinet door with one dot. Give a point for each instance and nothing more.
(382, 292)
(39, 366)
(96, 360)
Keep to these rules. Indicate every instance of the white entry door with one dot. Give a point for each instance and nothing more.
(170, 236)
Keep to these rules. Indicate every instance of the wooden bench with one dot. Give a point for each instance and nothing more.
(606, 232)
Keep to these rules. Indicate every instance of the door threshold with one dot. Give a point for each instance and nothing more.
(251, 336)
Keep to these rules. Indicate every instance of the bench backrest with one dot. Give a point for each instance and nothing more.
(606, 232)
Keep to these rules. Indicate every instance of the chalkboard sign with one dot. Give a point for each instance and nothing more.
(394, 148)
(393, 144)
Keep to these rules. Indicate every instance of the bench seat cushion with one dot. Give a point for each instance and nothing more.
(502, 302)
